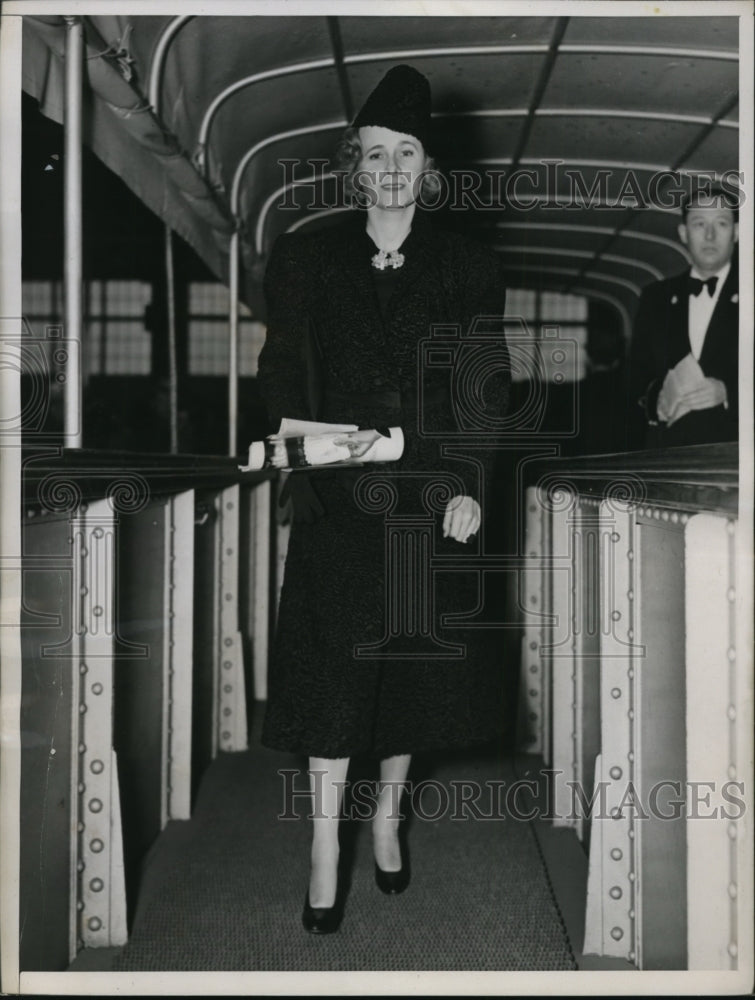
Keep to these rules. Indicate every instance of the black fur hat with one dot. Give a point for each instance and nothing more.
(401, 102)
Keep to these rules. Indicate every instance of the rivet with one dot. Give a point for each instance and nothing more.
(631, 914)
(733, 890)
(98, 532)
(97, 610)
(630, 633)
(533, 555)
(630, 834)
(226, 736)
(82, 747)
(94, 923)
(83, 668)
(79, 906)
(84, 552)
(533, 692)
(96, 845)
(80, 826)
(533, 645)
(731, 713)
(616, 615)
(630, 672)
(82, 708)
(80, 866)
(226, 711)
(96, 885)
(674, 517)
(732, 949)
(616, 773)
(630, 554)
(631, 956)
(731, 654)
(732, 831)
(615, 536)
(83, 590)
(730, 527)
(731, 594)
(617, 933)
(227, 664)
(532, 715)
(532, 508)
(97, 688)
(229, 552)
(228, 642)
(684, 518)
(615, 892)
(664, 515)
(616, 813)
(81, 787)
(732, 771)
(95, 805)
(632, 877)
(229, 597)
(533, 668)
(630, 595)
(616, 853)
(630, 755)
(53, 751)
(228, 688)
(615, 692)
(97, 767)
(533, 599)
(630, 713)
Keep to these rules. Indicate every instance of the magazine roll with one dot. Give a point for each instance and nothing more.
(311, 450)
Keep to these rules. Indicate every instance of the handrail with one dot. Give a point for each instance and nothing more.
(58, 480)
(694, 477)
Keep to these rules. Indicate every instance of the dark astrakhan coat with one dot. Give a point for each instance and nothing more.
(364, 662)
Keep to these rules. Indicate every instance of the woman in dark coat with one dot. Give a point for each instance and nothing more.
(364, 662)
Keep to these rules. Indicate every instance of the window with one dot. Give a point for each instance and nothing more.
(208, 332)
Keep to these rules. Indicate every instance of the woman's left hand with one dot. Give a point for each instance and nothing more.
(462, 518)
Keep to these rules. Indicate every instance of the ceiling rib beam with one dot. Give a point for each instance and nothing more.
(542, 82)
(336, 44)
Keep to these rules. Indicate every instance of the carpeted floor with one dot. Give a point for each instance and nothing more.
(224, 891)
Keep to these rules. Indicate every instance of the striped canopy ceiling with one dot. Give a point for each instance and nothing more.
(197, 115)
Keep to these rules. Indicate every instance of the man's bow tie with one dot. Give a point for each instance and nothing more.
(696, 285)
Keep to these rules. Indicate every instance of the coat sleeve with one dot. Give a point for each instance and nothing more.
(282, 371)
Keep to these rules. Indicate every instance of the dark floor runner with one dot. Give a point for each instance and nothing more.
(224, 891)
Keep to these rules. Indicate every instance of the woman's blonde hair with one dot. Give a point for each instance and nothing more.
(346, 160)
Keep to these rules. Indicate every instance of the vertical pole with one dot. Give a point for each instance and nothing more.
(10, 496)
(172, 362)
(73, 227)
(233, 345)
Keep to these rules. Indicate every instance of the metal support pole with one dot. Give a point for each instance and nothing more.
(233, 345)
(172, 360)
(73, 228)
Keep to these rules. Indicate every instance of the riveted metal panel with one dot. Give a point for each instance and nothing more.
(613, 911)
(179, 597)
(531, 693)
(586, 645)
(713, 876)
(230, 689)
(204, 632)
(661, 761)
(47, 810)
(100, 897)
(560, 646)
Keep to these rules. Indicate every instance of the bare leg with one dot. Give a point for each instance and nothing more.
(393, 771)
(327, 778)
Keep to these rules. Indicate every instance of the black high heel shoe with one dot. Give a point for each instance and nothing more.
(392, 883)
(322, 919)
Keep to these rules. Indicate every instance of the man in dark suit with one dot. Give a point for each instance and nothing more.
(683, 358)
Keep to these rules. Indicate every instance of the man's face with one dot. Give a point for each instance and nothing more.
(709, 232)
